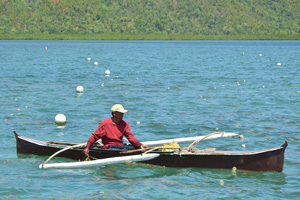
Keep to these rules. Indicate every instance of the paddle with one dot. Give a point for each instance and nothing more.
(214, 135)
(101, 162)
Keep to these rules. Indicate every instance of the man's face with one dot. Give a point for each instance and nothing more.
(119, 115)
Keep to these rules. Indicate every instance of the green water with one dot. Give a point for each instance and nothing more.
(174, 89)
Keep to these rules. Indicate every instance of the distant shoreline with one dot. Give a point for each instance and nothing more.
(124, 36)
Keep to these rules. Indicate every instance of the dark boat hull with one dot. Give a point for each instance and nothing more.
(270, 160)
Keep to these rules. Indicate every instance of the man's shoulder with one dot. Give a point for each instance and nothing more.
(106, 121)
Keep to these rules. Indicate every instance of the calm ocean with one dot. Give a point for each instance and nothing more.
(172, 89)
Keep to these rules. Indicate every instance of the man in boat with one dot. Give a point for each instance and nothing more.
(112, 130)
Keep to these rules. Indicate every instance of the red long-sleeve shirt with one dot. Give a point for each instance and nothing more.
(112, 134)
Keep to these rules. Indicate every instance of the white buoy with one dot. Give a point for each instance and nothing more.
(79, 89)
(243, 146)
(138, 122)
(89, 59)
(222, 183)
(260, 55)
(107, 72)
(278, 64)
(60, 119)
(241, 137)
(102, 85)
(234, 171)
(95, 63)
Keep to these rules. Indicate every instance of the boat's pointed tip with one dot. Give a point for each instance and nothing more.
(16, 134)
(285, 144)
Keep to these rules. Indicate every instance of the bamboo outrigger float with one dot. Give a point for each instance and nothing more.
(269, 160)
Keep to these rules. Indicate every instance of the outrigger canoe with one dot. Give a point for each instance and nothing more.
(268, 160)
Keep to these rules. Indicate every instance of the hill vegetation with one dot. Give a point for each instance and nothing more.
(149, 19)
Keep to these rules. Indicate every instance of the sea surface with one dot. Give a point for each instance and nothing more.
(172, 89)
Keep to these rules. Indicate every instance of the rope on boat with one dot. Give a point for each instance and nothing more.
(149, 149)
(62, 150)
(89, 158)
(160, 147)
(196, 141)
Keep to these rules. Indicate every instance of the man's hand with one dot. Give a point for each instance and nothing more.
(143, 146)
(86, 151)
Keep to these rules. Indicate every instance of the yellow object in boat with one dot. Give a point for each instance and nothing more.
(173, 144)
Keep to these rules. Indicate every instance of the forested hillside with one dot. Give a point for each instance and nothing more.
(167, 17)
